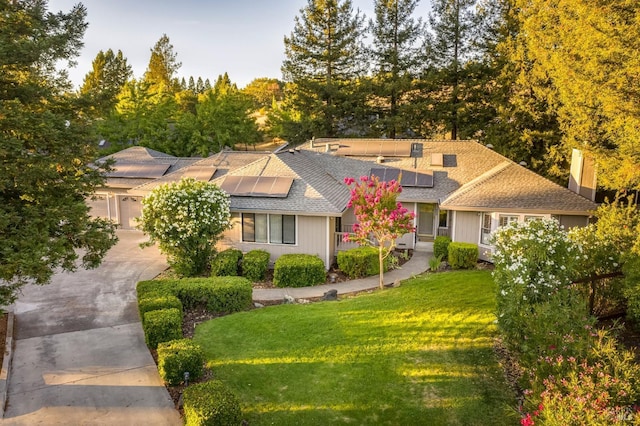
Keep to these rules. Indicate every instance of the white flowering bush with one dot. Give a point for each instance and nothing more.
(534, 261)
(186, 219)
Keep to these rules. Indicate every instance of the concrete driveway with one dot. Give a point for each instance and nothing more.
(80, 356)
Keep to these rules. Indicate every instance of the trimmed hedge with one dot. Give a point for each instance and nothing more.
(217, 294)
(298, 270)
(164, 287)
(360, 262)
(441, 247)
(226, 263)
(176, 357)
(463, 255)
(255, 265)
(162, 326)
(211, 403)
(154, 302)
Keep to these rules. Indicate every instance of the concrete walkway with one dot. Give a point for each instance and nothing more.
(418, 264)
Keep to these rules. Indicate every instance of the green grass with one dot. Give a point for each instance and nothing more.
(420, 354)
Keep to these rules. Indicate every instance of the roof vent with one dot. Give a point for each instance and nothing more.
(489, 146)
(523, 163)
(437, 159)
(291, 151)
(380, 159)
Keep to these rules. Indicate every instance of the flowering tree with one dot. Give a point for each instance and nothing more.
(186, 219)
(381, 219)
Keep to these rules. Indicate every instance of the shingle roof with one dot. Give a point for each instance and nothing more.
(472, 177)
(219, 163)
(510, 186)
(314, 191)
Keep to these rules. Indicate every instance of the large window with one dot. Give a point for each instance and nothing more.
(271, 228)
(485, 232)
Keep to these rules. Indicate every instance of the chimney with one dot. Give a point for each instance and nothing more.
(582, 179)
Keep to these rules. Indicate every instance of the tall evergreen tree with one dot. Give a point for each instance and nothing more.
(199, 88)
(588, 49)
(103, 83)
(324, 59)
(44, 160)
(455, 74)
(526, 126)
(162, 68)
(396, 61)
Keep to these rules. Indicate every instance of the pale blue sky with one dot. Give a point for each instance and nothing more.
(241, 37)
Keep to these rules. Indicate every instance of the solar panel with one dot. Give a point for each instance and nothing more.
(407, 179)
(374, 149)
(257, 186)
(148, 171)
(202, 173)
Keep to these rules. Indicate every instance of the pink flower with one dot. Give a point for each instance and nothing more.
(527, 421)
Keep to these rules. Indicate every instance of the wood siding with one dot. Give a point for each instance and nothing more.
(467, 227)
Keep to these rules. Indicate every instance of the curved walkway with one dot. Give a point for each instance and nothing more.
(418, 264)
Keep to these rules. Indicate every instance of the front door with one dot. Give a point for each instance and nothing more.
(425, 222)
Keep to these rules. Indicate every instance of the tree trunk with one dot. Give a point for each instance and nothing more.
(380, 258)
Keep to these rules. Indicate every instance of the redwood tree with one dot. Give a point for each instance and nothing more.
(381, 219)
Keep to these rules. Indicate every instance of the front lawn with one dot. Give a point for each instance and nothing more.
(418, 354)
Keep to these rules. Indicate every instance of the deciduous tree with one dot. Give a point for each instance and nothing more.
(44, 158)
(380, 218)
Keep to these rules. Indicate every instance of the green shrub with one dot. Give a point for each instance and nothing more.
(162, 326)
(211, 403)
(155, 302)
(298, 270)
(226, 263)
(441, 247)
(255, 265)
(462, 255)
(434, 263)
(176, 357)
(360, 262)
(157, 287)
(216, 294)
(632, 289)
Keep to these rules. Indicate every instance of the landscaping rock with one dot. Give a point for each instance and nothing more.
(303, 301)
(258, 305)
(289, 300)
(330, 295)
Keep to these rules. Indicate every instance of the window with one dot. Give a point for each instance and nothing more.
(528, 218)
(443, 218)
(485, 231)
(507, 219)
(271, 228)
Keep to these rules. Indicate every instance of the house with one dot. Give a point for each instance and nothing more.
(295, 200)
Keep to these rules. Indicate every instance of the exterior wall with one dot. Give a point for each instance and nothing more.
(311, 238)
(572, 221)
(466, 227)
